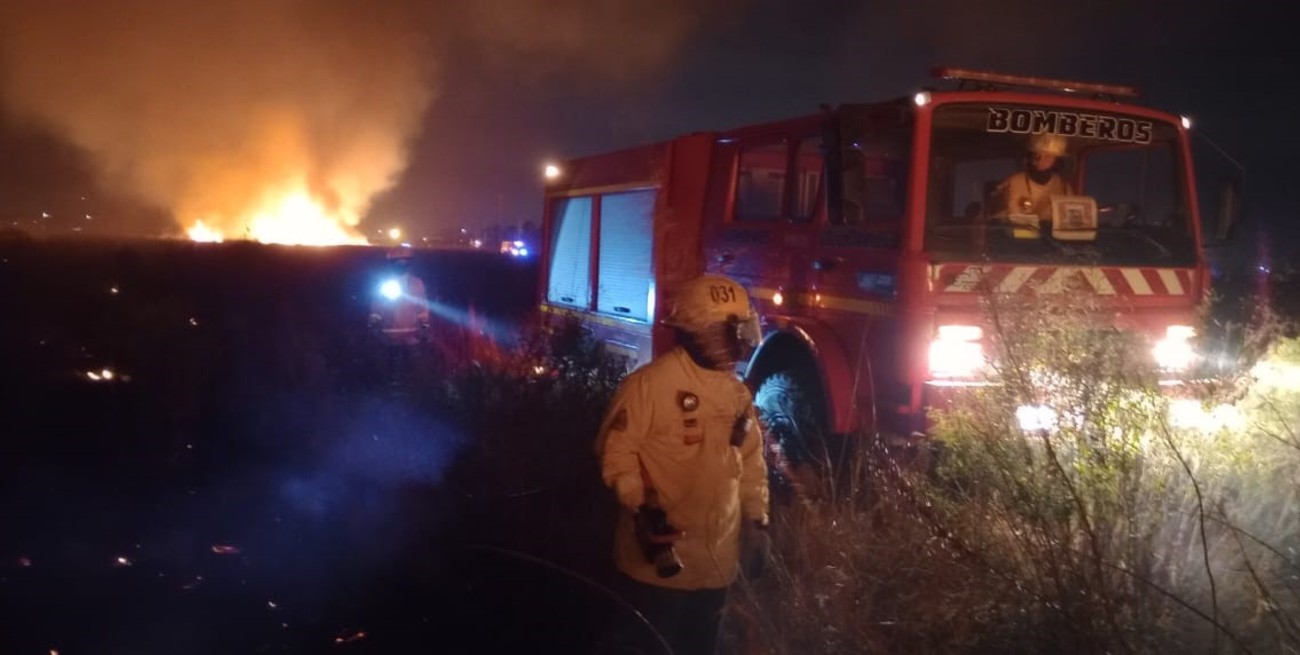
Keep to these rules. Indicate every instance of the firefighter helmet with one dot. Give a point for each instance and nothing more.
(399, 253)
(708, 299)
(1048, 144)
(716, 311)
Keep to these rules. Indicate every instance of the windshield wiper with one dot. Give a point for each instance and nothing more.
(960, 231)
(950, 229)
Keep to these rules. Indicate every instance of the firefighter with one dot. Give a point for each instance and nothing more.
(400, 311)
(681, 440)
(1029, 192)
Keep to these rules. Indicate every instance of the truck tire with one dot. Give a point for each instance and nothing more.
(793, 437)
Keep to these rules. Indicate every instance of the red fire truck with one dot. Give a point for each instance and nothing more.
(868, 233)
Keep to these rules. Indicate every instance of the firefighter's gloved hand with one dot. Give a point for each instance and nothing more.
(653, 526)
(755, 548)
(656, 536)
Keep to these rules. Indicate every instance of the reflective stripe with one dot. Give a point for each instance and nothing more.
(1059, 282)
(1136, 281)
(855, 305)
(1016, 279)
(593, 317)
(969, 279)
(1172, 285)
(1104, 280)
(823, 301)
(1098, 280)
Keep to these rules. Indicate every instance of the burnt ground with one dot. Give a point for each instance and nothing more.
(249, 483)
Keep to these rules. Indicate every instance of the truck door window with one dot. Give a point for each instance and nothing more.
(569, 279)
(808, 167)
(874, 175)
(760, 182)
(626, 273)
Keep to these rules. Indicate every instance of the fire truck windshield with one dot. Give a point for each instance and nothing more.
(1037, 184)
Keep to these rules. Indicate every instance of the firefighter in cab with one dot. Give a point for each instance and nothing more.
(400, 311)
(681, 448)
(1029, 192)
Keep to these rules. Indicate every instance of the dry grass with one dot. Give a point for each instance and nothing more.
(1115, 533)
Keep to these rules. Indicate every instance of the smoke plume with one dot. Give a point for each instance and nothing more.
(219, 110)
(600, 41)
(227, 111)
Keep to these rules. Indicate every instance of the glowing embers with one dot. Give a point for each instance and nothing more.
(349, 636)
(105, 375)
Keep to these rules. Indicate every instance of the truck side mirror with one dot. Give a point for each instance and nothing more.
(1229, 212)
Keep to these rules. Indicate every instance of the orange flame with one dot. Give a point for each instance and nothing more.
(202, 233)
(293, 218)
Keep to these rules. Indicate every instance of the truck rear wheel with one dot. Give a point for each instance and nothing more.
(793, 437)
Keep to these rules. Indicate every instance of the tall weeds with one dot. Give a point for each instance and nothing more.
(1115, 529)
(529, 479)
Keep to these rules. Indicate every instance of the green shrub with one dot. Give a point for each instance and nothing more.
(1116, 530)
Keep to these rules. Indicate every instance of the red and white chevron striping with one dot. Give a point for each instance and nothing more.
(1102, 280)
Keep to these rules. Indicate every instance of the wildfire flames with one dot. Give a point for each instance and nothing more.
(295, 115)
(292, 219)
(202, 233)
(281, 121)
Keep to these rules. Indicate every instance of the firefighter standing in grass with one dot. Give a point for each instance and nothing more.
(400, 311)
(681, 448)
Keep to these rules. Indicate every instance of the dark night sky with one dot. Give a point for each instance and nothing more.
(496, 117)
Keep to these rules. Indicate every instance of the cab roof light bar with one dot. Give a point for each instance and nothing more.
(1067, 86)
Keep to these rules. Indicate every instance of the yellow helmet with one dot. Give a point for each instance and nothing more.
(709, 299)
(1048, 144)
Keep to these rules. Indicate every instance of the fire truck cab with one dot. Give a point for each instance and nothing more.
(867, 234)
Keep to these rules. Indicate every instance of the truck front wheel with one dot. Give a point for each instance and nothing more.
(794, 439)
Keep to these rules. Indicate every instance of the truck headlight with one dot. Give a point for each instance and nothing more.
(1175, 351)
(1036, 418)
(956, 351)
(391, 289)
